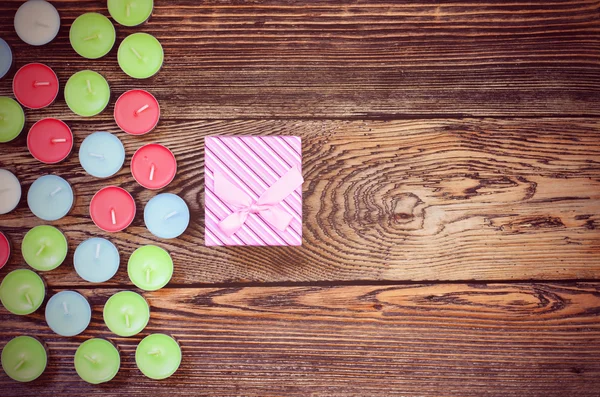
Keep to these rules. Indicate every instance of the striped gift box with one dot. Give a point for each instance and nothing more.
(252, 164)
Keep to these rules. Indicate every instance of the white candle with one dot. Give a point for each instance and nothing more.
(37, 22)
(10, 191)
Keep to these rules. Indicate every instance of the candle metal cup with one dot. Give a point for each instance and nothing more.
(35, 86)
(24, 358)
(150, 268)
(130, 12)
(12, 119)
(50, 197)
(10, 191)
(68, 313)
(5, 250)
(50, 141)
(22, 292)
(97, 360)
(6, 59)
(112, 209)
(44, 248)
(126, 313)
(158, 356)
(137, 112)
(37, 22)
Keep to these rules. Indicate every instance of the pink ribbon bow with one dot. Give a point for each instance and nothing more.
(265, 206)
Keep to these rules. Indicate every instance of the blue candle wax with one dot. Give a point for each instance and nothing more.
(50, 197)
(68, 313)
(166, 215)
(101, 154)
(96, 260)
(6, 58)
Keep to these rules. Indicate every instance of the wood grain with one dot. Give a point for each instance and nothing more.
(465, 199)
(360, 59)
(418, 340)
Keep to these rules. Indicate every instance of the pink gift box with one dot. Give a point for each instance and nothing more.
(253, 192)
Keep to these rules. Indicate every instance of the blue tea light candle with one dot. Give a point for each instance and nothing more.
(96, 260)
(166, 215)
(68, 313)
(50, 197)
(6, 58)
(101, 154)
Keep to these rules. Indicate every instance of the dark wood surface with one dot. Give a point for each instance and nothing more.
(451, 205)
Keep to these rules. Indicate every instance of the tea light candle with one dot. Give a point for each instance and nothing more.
(150, 268)
(112, 209)
(126, 313)
(35, 85)
(137, 112)
(96, 260)
(6, 58)
(87, 93)
(24, 358)
(92, 35)
(10, 191)
(130, 12)
(50, 141)
(140, 55)
(97, 361)
(22, 292)
(153, 166)
(4, 250)
(37, 22)
(166, 215)
(101, 154)
(68, 313)
(44, 248)
(50, 197)
(12, 119)
(158, 356)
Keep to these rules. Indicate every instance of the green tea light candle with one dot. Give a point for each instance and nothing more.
(87, 93)
(140, 55)
(12, 119)
(150, 268)
(97, 361)
(22, 292)
(24, 358)
(92, 35)
(126, 313)
(130, 12)
(158, 356)
(44, 248)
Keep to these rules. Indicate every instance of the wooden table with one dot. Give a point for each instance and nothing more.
(452, 199)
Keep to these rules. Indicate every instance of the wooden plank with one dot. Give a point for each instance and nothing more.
(361, 59)
(401, 200)
(416, 340)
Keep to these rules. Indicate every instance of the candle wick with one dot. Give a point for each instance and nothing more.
(41, 83)
(4, 190)
(128, 10)
(154, 352)
(65, 308)
(137, 54)
(113, 216)
(91, 37)
(170, 215)
(97, 251)
(152, 167)
(89, 86)
(40, 250)
(127, 321)
(90, 359)
(28, 299)
(20, 364)
(140, 110)
(59, 140)
(55, 191)
(41, 24)
(100, 156)
(148, 270)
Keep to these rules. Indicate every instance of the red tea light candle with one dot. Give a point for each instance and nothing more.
(4, 250)
(112, 209)
(153, 166)
(50, 141)
(35, 86)
(137, 112)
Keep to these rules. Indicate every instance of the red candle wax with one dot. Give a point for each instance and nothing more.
(35, 86)
(50, 141)
(137, 112)
(112, 209)
(4, 250)
(153, 166)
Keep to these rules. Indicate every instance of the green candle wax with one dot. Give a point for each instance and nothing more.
(150, 268)
(130, 12)
(126, 313)
(97, 361)
(22, 291)
(87, 93)
(24, 358)
(158, 356)
(12, 119)
(92, 35)
(140, 55)
(44, 248)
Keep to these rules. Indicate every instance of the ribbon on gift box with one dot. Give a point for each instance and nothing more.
(266, 206)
